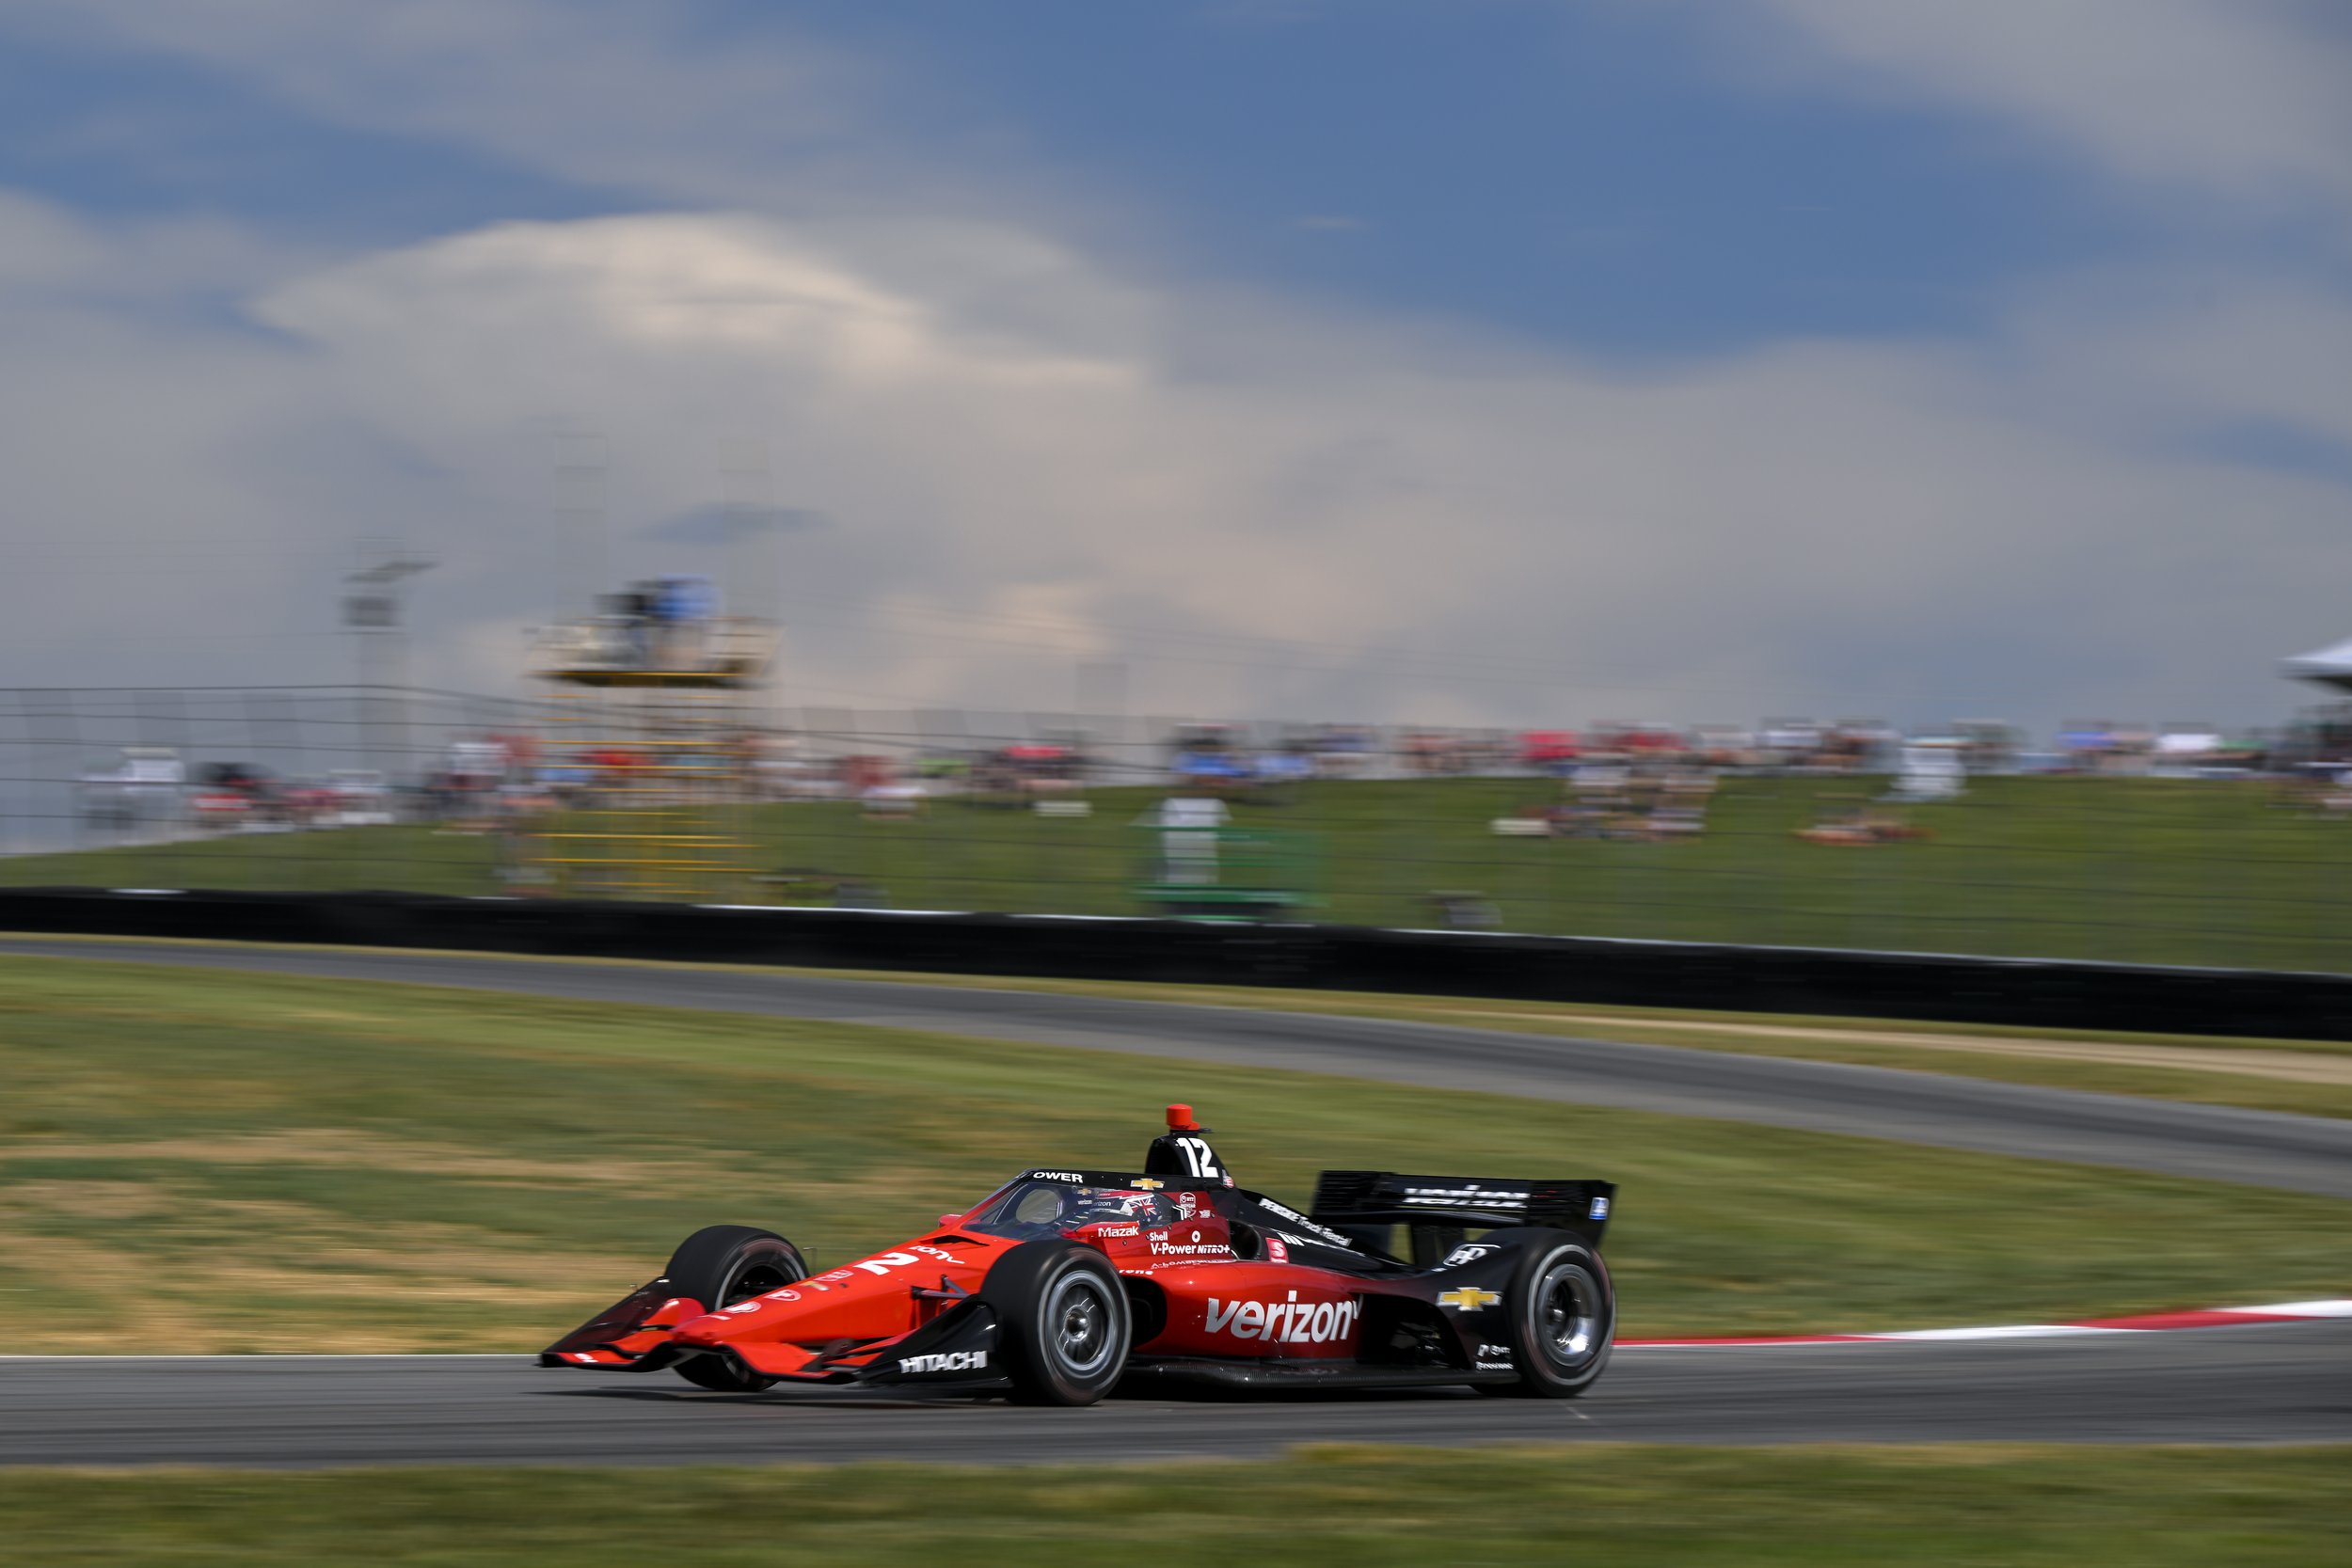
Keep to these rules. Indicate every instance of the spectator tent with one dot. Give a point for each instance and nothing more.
(2329, 666)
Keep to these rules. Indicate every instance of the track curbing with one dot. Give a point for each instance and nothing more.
(2145, 1322)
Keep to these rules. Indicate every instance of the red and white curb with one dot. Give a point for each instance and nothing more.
(2211, 1316)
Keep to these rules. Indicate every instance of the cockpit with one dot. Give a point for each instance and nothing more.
(1029, 1209)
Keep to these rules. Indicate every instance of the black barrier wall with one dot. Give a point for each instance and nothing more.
(2033, 993)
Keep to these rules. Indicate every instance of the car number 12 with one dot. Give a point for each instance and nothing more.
(1197, 1161)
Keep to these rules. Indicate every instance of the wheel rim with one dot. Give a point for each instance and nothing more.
(1568, 1317)
(1080, 1327)
(757, 1279)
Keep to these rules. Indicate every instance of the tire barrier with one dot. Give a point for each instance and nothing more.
(1951, 989)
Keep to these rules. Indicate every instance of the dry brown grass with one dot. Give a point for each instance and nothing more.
(2296, 1066)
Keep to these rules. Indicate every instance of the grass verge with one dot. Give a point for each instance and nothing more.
(197, 1160)
(2301, 1077)
(1375, 1508)
(2138, 870)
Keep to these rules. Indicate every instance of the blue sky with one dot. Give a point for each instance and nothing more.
(1583, 173)
(1591, 174)
(1628, 291)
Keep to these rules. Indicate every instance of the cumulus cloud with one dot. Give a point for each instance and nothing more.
(639, 98)
(1319, 516)
(1031, 452)
(2240, 100)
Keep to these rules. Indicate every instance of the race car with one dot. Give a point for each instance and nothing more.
(1062, 1284)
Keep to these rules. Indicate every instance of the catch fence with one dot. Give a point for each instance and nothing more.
(326, 788)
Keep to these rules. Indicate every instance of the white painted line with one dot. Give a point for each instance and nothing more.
(1998, 1331)
(2144, 1322)
(2309, 1310)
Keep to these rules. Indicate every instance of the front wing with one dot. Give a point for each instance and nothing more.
(957, 1352)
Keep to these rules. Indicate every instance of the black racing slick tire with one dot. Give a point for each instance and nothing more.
(722, 1263)
(1563, 1317)
(1063, 1324)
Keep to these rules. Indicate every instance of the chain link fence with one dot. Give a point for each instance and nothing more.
(335, 786)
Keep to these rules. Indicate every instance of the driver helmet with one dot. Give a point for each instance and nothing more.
(1067, 1207)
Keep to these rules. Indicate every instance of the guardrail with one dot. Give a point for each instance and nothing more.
(2040, 993)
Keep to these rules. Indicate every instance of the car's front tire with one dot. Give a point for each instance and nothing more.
(1563, 1317)
(1063, 1324)
(723, 1263)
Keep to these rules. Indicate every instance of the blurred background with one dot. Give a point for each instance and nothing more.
(2182, 844)
(1802, 472)
(1856, 474)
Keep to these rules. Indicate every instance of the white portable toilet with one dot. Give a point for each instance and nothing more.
(1931, 770)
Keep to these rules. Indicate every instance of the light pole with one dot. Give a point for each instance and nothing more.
(371, 610)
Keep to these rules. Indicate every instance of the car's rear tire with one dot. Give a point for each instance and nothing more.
(722, 1263)
(1062, 1323)
(1563, 1317)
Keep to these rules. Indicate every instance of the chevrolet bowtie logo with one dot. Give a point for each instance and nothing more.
(1469, 1298)
(1147, 1182)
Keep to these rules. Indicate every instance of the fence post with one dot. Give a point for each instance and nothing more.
(61, 708)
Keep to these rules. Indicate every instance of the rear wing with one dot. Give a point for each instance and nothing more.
(1440, 1209)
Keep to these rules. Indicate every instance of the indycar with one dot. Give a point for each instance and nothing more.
(1064, 1284)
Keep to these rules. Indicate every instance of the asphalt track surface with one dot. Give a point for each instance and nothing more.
(2260, 1384)
(2268, 1384)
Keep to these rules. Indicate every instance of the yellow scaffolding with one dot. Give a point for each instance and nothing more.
(655, 768)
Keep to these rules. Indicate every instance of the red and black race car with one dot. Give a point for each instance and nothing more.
(1062, 1284)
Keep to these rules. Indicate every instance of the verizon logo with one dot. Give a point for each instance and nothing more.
(1293, 1322)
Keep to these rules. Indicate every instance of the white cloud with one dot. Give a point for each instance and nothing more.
(1033, 456)
(2245, 100)
(617, 94)
(1315, 517)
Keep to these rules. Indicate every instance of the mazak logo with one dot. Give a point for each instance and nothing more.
(1469, 1298)
(1291, 1323)
(947, 1361)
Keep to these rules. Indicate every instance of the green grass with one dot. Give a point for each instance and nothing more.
(197, 1162)
(1956, 1049)
(2156, 871)
(1636, 1507)
(2190, 1068)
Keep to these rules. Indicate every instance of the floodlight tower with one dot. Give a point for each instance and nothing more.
(372, 609)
